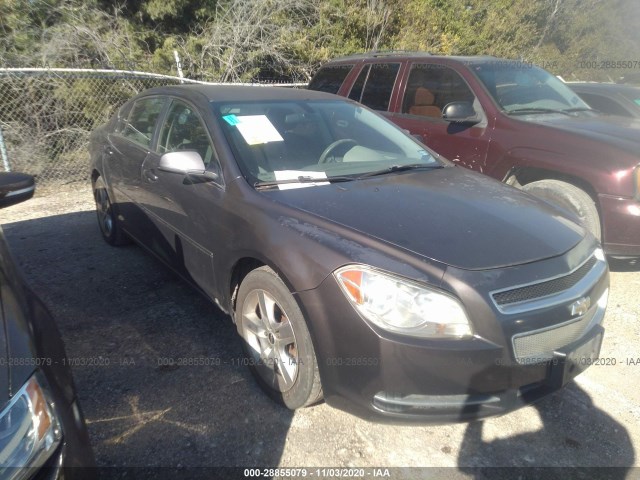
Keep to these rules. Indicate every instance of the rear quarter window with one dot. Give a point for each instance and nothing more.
(329, 79)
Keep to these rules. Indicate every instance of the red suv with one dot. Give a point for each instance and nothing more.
(512, 121)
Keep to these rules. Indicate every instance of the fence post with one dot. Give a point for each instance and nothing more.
(3, 153)
(178, 65)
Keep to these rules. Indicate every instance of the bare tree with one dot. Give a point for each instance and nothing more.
(557, 4)
(244, 35)
(377, 16)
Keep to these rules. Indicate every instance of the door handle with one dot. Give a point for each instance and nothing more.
(150, 175)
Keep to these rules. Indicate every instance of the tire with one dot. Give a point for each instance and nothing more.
(107, 218)
(276, 341)
(570, 198)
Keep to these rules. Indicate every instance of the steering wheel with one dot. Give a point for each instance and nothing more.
(328, 155)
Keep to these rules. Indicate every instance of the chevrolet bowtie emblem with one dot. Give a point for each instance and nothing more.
(580, 307)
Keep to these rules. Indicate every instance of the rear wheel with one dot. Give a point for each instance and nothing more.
(111, 231)
(276, 340)
(571, 198)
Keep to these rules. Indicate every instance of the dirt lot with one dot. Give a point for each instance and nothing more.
(121, 313)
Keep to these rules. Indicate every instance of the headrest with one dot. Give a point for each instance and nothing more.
(424, 97)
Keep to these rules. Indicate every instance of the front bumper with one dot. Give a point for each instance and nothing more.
(621, 225)
(385, 377)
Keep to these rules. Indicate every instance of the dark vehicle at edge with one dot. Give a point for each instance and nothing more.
(609, 98)
(42, 429)
(357, 266)
(512, 121)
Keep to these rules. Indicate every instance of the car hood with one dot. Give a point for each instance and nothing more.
(450, 215)
(620, 132)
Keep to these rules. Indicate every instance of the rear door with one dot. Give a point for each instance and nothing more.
(429, 88)
(130, 144)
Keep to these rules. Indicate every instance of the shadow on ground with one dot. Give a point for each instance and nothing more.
(127, 322)
(576, 440)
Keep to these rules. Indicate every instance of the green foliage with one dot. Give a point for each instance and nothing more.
(242, 39)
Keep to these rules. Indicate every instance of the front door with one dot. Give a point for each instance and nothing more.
(185, 210)
(429, 88)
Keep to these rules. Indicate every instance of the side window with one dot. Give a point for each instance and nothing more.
(121, 118)
(329, 79)
(141, 122)
(374, 85)
(431, 87)
(605, 105)
(183, 130)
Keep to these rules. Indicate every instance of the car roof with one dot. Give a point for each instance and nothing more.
(240, 93)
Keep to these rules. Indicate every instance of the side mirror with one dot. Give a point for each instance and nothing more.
(188, 162)
(460, 112)
(15, 188)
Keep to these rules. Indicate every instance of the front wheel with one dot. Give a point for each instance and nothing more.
(571, 198)
(276, 340)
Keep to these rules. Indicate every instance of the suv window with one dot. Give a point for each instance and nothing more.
(374, 85)
(141, 123)
(329, 79)
(431, 87)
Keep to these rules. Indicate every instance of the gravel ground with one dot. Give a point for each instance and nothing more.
(120, 311)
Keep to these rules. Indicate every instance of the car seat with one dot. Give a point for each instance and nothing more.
(423, 104)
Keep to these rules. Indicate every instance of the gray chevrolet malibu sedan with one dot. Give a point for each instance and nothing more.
(358, 266)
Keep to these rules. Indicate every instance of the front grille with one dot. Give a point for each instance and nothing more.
(536, 347)
(545, 288)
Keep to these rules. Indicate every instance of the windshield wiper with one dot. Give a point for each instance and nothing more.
(300, 179)
(524, 111)
(400, 168)
(581, 109)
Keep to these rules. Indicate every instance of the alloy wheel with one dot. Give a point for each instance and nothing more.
(269, 335)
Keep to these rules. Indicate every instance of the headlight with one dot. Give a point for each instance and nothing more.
(29, 431)
(401, 306)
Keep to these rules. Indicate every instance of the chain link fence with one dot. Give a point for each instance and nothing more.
(47, 115)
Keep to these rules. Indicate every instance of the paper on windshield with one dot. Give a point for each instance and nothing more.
(255, 129)
(294, 174)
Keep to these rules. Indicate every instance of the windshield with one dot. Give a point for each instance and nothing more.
(286, 140)
(517, 86)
